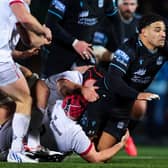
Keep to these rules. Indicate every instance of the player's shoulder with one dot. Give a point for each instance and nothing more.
(129, 47)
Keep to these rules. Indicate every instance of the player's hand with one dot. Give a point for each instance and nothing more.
(83, 49)
(125, 137)
(147, 96)
(89, 91)
(31, 52)
(48, 33)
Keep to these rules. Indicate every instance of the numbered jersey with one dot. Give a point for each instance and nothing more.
(68, 135)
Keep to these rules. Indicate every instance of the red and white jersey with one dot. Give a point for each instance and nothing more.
(74, 76)
(68, 135)
(7, 24)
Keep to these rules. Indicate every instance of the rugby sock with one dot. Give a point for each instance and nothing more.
(132, 125)
(34, 132)
(33, 139)
(20, 125)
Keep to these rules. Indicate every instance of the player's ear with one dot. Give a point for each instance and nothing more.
(144, 32)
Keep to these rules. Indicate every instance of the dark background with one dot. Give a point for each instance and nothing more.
(39, 7)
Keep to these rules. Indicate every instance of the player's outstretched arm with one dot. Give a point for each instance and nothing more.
(104, 155)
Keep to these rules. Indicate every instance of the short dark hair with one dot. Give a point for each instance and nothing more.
(149, 19)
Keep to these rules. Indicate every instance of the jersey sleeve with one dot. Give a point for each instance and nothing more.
(121, 60)
(115, 77)
(57, 8)
(15, 1)
(55, 17)
(81, 144)
(110, 7)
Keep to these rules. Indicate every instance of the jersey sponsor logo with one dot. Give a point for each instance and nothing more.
(100, 38)
(84, 14)
(140, 79)
(121, 57)
(159, 60)
(100, 3)
(59, 5)
(87, 21)
(140, 72)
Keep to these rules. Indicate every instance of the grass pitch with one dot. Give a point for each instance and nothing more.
(148, 157)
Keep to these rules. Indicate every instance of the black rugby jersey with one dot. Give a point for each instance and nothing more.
(124, 31)
(133, 68)
(70, 19)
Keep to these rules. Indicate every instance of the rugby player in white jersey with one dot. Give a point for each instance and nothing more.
(68, 135)
(12, 81)
(74, 79)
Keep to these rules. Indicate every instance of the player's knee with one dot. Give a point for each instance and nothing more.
(139, 109)
(28, 100)
(24, 100)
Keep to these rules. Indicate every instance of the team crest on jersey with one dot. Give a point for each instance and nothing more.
(140, 72)
(159, 60)
(58, 5)
(121, 57)
(100, 3)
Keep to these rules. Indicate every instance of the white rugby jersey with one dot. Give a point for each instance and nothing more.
(74, 76)
(7, 24)
(68, 135)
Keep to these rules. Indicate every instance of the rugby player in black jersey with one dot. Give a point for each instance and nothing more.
(73, 24)
(133, 68)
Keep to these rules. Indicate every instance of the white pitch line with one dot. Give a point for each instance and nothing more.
(126, 157)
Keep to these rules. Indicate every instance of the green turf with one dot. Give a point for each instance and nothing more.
(148, 157)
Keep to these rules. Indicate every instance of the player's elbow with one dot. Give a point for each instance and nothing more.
(93, 159)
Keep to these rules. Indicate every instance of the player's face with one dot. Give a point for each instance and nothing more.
(127, 8)
(155, 34)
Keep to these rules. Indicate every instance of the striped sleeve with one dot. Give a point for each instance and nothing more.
(11, 2)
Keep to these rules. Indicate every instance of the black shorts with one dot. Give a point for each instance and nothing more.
(106, 115)
(116, 127)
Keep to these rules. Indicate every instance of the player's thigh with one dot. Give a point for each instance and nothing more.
(113, 131)
(13, 82)
(106, 140)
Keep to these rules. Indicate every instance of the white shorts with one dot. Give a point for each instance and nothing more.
(9, 73)
(68, 135)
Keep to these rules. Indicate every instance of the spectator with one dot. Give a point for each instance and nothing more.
(125, 21)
